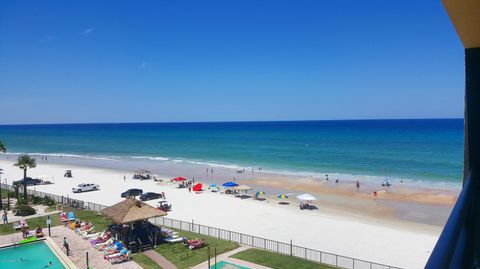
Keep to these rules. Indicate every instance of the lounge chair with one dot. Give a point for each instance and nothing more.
(123, 251)
(120, 259)
(16, 225)
(71, 216)
(195, 244)
(92, 235)
(63, 217)
(175, 239)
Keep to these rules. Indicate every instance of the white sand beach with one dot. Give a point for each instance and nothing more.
(397, 243)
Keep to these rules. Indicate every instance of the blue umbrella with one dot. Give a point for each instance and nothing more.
(230, 184)
(213, 185)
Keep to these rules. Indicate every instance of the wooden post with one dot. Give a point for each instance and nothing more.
(86, 254)
(208, 256)
(291, 247)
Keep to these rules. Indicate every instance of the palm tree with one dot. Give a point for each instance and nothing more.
(24, 162)
(3, 149)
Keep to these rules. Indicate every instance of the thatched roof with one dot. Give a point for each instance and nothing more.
(131, 210)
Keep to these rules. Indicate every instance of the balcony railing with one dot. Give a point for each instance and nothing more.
(452, 248)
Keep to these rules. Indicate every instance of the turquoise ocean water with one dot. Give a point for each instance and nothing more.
(421, 150)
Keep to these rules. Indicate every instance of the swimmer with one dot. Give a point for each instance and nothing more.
(48, 265)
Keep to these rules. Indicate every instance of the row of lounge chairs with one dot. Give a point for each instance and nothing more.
(113, 251)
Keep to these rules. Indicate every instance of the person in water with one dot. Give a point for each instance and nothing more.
(48, 265)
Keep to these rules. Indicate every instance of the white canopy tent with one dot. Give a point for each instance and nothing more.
(306, 197)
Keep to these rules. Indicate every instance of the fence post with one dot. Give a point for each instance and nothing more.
(291, 248)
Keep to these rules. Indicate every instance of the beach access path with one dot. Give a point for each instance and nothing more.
(159, 259)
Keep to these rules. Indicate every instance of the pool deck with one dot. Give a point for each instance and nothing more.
(225, 257)
(78, 248)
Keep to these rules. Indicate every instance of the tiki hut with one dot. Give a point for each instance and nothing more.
(131, 210)
(131, 225)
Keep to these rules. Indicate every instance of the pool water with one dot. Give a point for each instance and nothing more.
(29, 256)
(227, 265)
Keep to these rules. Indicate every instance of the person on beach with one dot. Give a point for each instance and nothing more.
(211, 170)
(124, 177)
(326, 177)
(358, 185)
(336, 181)
(163, 195)
(189, 189)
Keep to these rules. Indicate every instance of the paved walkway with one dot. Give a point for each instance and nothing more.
(159, 259)
(225, 257)
(40, 212)
(78, 248)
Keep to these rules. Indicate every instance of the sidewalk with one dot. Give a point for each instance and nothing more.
(159, 259)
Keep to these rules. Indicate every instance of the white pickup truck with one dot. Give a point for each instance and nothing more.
(85, 187)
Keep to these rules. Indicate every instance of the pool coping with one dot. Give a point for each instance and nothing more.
(66, 262)
(62, 257)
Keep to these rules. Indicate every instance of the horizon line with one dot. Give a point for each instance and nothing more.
(233, 121)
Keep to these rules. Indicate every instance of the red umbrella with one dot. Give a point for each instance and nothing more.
(197, 187)
(179, 179)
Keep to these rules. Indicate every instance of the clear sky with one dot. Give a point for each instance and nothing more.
(156, 61)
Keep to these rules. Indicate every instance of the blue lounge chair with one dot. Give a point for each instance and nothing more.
(71, 216)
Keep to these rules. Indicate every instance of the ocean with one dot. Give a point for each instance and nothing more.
(417, 150)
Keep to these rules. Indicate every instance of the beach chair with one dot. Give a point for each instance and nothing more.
(122, 252)
(120, 259)
(63, 217)
(16, 225)
(71, 216)
(173, 240)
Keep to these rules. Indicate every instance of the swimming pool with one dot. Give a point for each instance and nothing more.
(29, 256)
(227, 265)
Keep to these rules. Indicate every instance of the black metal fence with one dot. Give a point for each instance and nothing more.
(244, 239)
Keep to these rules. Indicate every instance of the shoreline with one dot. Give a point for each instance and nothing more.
(339, 226)
(401, 201)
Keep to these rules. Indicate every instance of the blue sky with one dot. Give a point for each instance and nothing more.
(156, 61)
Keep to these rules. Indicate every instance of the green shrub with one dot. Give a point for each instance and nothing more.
(48, 201)
(21, 202)
(36, 200)
(24, 210)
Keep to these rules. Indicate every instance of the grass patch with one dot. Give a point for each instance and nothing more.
(101, 223)
(277, 261)
(33, 223)
(183, 257)
(145, 262)
(98, 220)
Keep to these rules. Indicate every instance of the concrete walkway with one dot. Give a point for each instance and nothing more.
(159, 259)
(225, 257)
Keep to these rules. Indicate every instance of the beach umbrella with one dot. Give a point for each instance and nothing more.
(177, 179)
(213, 186)
(306, 197)
(258, 193)
(229, 184)
(197, 187)
(283, 196)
